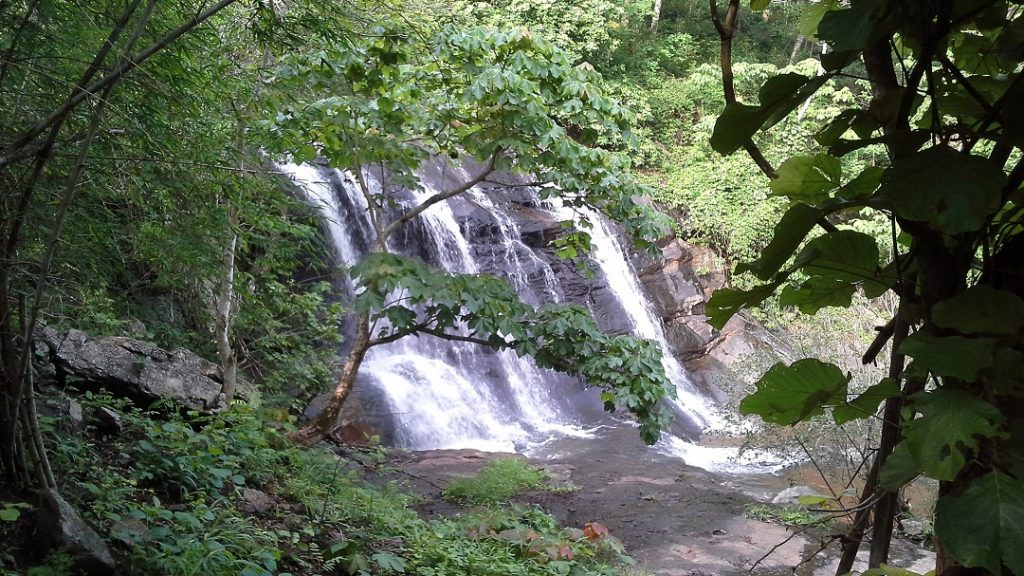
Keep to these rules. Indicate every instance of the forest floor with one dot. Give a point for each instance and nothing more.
(674, 519)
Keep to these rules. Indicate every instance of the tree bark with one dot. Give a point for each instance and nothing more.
(225, 306)
(327, 420)
(655, 16)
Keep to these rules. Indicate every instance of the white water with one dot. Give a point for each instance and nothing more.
(453, 395)
(444, 394)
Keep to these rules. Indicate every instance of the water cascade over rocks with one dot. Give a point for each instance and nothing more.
(426, 393)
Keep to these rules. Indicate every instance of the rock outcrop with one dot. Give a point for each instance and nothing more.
(132, 368)
(679, 283)
(62, 528)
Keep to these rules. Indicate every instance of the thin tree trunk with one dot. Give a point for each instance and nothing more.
(796, 48)
(225, 305)
(655, 16)
(327, 420)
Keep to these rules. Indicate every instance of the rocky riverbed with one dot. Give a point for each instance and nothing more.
(674, 519)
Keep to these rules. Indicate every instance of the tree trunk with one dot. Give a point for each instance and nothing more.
(796, 48)
(327, 420)
(225, 305)
(655, 16)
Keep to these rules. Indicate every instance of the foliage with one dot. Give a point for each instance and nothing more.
(167, 514)
(951, 191)
(485, 102)
(497, 482)
(788, 515)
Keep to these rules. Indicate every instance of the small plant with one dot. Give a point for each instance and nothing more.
(11, 511)
(498, 481)
(789, 515)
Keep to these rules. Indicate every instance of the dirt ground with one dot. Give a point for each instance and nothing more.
(674, 519)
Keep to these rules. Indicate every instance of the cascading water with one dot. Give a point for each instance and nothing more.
(443, 394)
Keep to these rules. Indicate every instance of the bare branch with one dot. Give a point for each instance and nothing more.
(441, 197)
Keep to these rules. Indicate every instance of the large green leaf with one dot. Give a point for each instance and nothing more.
(811, 17)
(983, 526)
(954, 356)
(947, 430)
(851, 29)
(981, 310)
(837, 263)
(789, 234)
(790, 394)
(867, 403)
(899, 468)
(952, 192)
(807, 179)
(843, 254)
(726, 302)
(779, 96)
(818, 292)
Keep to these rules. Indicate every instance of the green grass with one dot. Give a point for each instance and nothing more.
(499, 481)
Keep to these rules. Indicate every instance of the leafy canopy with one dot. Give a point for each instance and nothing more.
(490, 102)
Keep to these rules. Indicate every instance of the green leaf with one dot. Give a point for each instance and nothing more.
(779, 96)
(790, 232)
(864, 185)
(954, 356)
(981, 310)
(851, 29)
(952, 192)
(818, 292)
(790, 394)
(759, 5)
(867, 403)
(949, 425)
(843, 254)
(811, 17)
(807, 179)
(736, 125)
(9, 514)
(899, 468)
(726, 302)
(983, 526)
(837, 263)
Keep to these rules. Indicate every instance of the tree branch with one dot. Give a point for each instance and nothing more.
(441, 197)
(123, 68)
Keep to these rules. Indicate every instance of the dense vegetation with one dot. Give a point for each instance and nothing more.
(137, 150)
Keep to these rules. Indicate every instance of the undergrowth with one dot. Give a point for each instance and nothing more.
(171, 492)
(498, 481)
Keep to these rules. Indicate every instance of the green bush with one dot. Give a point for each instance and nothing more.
(498, 481)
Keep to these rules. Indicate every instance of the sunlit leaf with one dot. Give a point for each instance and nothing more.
(790, 394)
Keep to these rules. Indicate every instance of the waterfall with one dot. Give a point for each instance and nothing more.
(443, 394)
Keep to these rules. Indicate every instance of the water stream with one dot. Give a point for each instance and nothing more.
(442, 394)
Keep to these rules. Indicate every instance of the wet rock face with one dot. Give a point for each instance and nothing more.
(132, 368)
(679, 283)
(64, 529)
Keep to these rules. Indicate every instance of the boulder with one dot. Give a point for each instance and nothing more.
(62, 528)
(365, 415)
(256, 501)
(133, 368)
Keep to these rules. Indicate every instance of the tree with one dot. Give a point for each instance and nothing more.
(106, 49)
(491, 103)
(947, 107)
